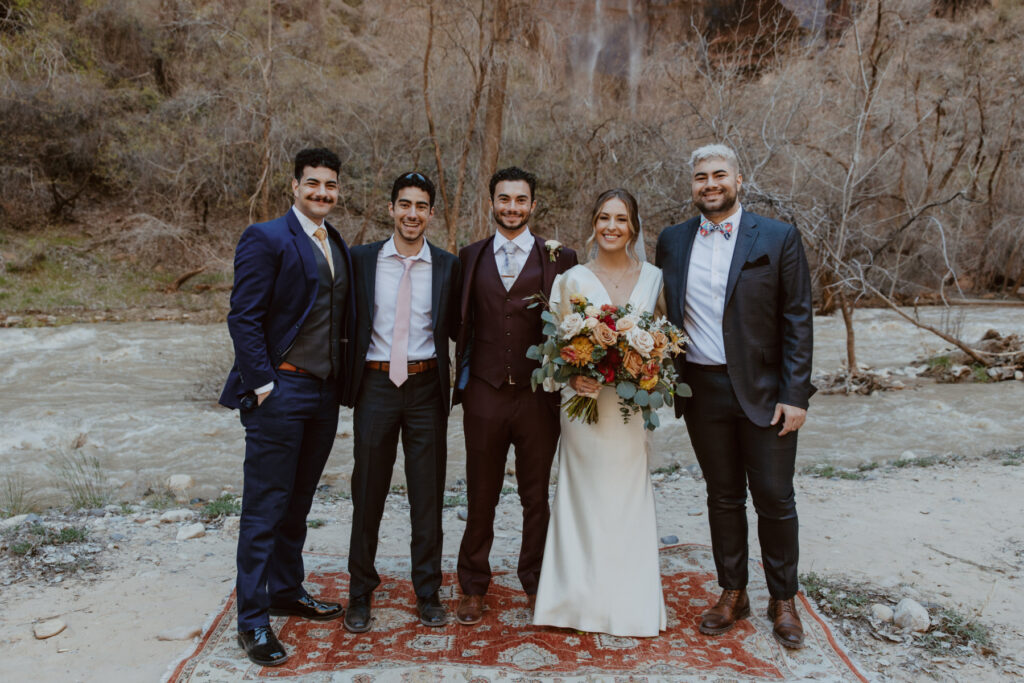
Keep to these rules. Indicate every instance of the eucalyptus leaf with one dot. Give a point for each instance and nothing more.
(547, 316)
(549, 329)
(535, 352)
(656, 400)
(626, 390)
(642, 398)
(683, 390)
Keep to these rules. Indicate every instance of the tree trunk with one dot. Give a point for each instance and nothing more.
(494, 116)
(851, 349)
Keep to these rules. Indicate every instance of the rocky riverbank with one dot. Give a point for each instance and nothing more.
(124, 589)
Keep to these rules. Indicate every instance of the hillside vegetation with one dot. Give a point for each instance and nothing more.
(140, 137)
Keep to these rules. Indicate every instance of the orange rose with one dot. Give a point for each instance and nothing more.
(603, 335)
(660, 343)
(632, 362)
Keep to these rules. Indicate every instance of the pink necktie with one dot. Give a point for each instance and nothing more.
(398, 371)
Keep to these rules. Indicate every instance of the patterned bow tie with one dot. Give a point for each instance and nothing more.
(707, 227)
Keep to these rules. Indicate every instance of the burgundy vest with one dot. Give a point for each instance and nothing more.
(503, 326)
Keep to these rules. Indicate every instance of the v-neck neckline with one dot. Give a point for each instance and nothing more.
(607, 294)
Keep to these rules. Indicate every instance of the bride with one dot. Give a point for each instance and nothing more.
(600, 571)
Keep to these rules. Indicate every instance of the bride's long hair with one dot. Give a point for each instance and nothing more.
(632, 218)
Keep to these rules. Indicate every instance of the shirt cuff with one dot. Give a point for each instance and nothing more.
(265, 388)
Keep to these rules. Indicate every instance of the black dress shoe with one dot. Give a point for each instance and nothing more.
(357, 616)
(432, 612)
(309, 607)
(262, 646)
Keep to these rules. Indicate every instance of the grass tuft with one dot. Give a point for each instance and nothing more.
(225, 506)
(82, 477)
(15, 497)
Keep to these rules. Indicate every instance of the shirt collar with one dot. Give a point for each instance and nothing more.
(308, 226)
(389, 250)
(523, 240)
(735, 218)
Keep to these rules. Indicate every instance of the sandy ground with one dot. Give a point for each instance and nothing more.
(948, 535)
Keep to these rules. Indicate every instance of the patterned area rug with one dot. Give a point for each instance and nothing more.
(505, 646)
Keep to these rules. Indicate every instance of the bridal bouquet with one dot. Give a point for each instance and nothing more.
(616, 346)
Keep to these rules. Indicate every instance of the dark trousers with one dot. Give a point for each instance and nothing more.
(416, 410)
(495, 419)
(734, 453)
(287, 441)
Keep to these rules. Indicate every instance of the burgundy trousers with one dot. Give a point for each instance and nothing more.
(493, 420)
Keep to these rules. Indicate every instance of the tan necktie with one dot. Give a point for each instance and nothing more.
(321, 236)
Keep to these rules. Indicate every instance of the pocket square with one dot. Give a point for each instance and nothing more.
(761, 260)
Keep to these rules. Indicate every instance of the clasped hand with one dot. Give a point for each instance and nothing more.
(585, 386)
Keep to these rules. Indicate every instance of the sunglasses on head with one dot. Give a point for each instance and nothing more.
(419, 176)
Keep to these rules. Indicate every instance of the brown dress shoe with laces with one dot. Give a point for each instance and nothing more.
(732, 606)
(470, 610)
(787, 629)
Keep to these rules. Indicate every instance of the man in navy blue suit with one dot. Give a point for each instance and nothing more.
(739, 284)
(291, 309)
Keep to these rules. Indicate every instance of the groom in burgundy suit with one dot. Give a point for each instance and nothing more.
(501, 273)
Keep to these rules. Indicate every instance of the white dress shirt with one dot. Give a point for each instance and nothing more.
(309, 227)
(385, 298)
(523, 242)
(710, 259)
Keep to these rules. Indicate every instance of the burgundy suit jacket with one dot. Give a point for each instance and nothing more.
(470, 256)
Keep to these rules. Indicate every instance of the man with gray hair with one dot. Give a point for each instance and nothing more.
(740, 287)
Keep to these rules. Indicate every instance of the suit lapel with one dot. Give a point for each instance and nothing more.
(436, 284)
(486, 247)
(547, 266)
(304, 247)
(370, 281)
(687, 232)
(744, 243)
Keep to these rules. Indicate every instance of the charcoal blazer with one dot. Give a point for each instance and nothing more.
(275, 287)
(446, 283)
(470, 256)
(767, 322)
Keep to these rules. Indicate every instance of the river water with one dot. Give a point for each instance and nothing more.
(140, 399)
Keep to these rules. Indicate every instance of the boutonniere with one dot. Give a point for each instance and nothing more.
(553, 247)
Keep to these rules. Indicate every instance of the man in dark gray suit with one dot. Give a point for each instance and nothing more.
(739, 285)
(407, 305)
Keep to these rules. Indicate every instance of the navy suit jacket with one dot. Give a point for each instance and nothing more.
(445, 286)
(767, 322)
(275, 286)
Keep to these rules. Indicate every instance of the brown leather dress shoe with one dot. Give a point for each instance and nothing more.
(531, 600)
(470, 610)
(732, 606)
(787, 629)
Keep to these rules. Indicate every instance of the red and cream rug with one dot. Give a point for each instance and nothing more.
(505, 646)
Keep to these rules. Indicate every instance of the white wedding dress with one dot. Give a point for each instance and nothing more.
(600, 571)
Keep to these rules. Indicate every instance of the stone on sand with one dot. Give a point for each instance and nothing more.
(180, 633)
(179, 484)
(190, 531)
(882, 612)
(177, 516)
(911, 615)
(48, 628)
(230, 525)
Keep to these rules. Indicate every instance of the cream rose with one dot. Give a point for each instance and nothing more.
(590, 323)
(570, 326)
(626, 322)
(592, 311)
(640, 339)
